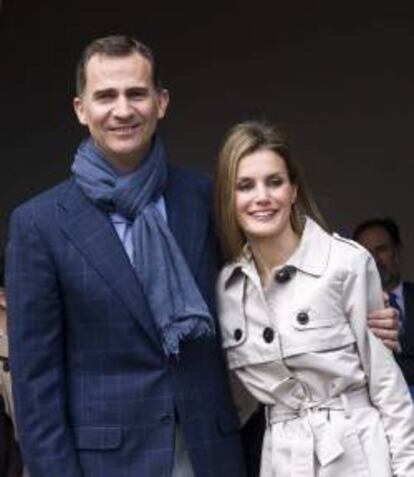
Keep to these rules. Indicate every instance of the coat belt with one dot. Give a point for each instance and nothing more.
(319, 438)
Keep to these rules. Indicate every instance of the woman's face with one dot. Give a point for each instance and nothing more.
(263, 196)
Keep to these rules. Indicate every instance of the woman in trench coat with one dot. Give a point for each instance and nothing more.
(293, 301)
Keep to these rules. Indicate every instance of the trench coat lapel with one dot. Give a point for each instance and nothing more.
(93, 234)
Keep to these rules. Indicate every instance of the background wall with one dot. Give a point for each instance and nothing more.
(338, 75)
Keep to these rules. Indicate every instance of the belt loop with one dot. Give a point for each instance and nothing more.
(345, 405)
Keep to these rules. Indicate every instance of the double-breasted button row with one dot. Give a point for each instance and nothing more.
(268, 334)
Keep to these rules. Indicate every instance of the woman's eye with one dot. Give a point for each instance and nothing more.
(275, 182)
(244, 185)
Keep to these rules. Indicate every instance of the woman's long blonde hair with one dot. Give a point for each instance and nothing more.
(242, 140)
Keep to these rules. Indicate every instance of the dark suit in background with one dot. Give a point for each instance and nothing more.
(405, 358)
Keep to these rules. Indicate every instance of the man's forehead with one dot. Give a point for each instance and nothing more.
(101, 66)
(104, 57)
(376, 235)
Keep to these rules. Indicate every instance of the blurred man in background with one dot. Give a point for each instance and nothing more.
(382, 239)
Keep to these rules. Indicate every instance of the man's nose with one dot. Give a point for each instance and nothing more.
(122, 107)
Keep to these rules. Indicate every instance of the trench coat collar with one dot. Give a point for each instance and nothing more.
(310, 257)
(238, 267)
(312, 254)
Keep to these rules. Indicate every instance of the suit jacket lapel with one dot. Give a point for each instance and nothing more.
(187, 216)
(94, 236)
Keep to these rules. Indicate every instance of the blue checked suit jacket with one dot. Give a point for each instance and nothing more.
(94, 393)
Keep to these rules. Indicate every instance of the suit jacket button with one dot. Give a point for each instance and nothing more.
(303, 318)
(238, 333)
(166, 419)
(268, 334)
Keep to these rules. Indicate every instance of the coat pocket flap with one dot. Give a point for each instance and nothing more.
(88, 437)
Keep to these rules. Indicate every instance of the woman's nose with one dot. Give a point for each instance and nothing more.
(262, 194)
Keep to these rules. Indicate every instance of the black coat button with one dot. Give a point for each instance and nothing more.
(284, 274)
(238, 333)
(303, 318)
(268, 334)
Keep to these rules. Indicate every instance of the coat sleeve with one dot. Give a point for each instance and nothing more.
(36, 329)
(387, 388)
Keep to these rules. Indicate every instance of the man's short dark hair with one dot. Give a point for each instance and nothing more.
(114, 45)
(386, 223)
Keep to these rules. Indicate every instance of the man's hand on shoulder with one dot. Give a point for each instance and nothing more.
(384, 324)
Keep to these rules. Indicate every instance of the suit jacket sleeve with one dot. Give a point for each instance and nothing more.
(387, 388)
(37, 350)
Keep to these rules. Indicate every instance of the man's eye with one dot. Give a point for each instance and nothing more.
(104, 97)
(382, 248)
(137, 94)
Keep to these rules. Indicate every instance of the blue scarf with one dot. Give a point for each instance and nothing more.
(179, 311)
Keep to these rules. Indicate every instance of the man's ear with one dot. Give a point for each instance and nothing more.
(79, 109)
(163, 98)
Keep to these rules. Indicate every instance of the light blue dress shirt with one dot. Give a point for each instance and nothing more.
(123, 227)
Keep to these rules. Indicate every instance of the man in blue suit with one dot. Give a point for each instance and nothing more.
(116, 363)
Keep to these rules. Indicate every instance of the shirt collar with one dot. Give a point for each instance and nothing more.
(398, 291)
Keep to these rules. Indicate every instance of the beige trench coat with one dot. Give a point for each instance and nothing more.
(336, 402)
